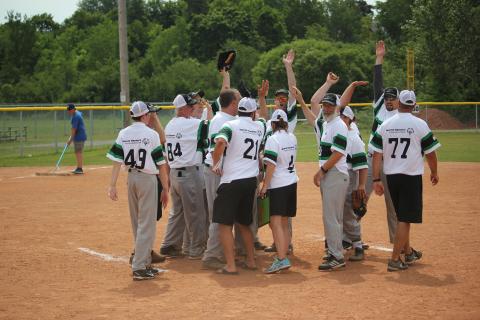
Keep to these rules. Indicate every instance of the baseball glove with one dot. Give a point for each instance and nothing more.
(359, 203)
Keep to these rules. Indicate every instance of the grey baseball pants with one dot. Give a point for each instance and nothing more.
(142, 203)
(214, 247)
(188, 210)
(391, 215)
(333, 188)
(351, 227)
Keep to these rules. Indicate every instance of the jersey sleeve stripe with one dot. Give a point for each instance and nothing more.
(271, 155)
(340, 142)
(226, 133)
(359, 159)
(116, 151)
(428, 142)
(377, 141)
(157, 155)
(325, 151)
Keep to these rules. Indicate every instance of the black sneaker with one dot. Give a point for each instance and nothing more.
(144, 274)
(346, 245)
(78, 171)
(153, 270)
(412, 257)
(396, 265)
(358, 256)
(272, 248)
(332, 263)
(171, 252)
(259, 246)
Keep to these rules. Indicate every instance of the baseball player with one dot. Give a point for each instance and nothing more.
(385, 106)
(402, 140)
(357, 171)
(284, 100)
(333, 180)
(238, 169)
(213, 255)
(138, 147)
(281, 182)
(182, 148)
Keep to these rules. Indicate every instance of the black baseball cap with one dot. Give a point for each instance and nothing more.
(391, 92)
(199, 93)
(281, 91)
(330, 98)
(70, 106)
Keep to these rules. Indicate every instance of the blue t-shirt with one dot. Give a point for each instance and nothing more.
(77, 123)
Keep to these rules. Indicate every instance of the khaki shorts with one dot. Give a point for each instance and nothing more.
(78, 146)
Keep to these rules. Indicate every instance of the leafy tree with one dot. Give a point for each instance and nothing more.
(392, 16)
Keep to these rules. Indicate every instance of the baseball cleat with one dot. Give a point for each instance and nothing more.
(332, 263)
(413, 256)
(358, 255)
(396, 265)
(144, 274)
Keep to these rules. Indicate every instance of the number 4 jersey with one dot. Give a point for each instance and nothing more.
(138, 146)
(403, 139)
(244, 137)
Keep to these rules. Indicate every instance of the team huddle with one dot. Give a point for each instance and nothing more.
(214, 162)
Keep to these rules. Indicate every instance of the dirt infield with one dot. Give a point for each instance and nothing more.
(44, 275)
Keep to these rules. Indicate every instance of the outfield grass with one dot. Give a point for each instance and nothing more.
(456, 147)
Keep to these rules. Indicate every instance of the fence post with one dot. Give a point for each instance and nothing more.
(22, 142)
(55, 130)
(426, 114)
(91, 128)
(35, 115)
(476, 116)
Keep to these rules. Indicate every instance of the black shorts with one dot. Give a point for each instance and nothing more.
(406, 192)
(283, 201)
(234, 202)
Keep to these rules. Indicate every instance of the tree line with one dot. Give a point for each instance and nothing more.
(173, 47)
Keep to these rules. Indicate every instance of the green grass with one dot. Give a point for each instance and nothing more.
(458, 146)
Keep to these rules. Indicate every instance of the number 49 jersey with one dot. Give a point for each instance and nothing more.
(244, 137)
(138, 146)
(403, 139)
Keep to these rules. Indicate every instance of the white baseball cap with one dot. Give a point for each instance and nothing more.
(247, 105)
(139, 108)
(183, 100)
(279, 114)
(408, 98)
(348, 112)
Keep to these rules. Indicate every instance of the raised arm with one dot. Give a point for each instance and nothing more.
(332, 79)
(288, 63)
(309, 115)
(262, 101)
(348, 93)
(377, 70)
(156, 125)
(226, 80)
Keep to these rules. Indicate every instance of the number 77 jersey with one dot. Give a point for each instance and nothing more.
(244, 137)
(138, 146)
(404, 139)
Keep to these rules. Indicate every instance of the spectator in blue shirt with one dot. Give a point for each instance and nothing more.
(77, 136)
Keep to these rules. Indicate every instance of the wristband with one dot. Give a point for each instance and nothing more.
(323, 169)
(377, 180)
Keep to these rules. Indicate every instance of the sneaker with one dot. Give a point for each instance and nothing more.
(212, 264)
(171, 252)
(259, 246)
(412, 257)
(346, 245)
(153, 270)
(396, 265)
(278, 265)
(326, 255)
(272, 248)
(78, 171)
(358, 256)
(144, 274)
(332, 263)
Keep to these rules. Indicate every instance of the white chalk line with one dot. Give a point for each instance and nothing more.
(109, 257)
(374, 247)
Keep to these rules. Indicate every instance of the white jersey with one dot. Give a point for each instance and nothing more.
(244, 137)
(403, 139)
(334, 138)
(281, 150)
(318, 127)
(138, 146)
(354, 128)
(381, 114)
(356, 156)
(291, 117)
(215, 125)
(183, 142)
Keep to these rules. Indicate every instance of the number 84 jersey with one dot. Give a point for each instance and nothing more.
(138, 146)
(403, 139)
(244, 137)
(183, 141)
